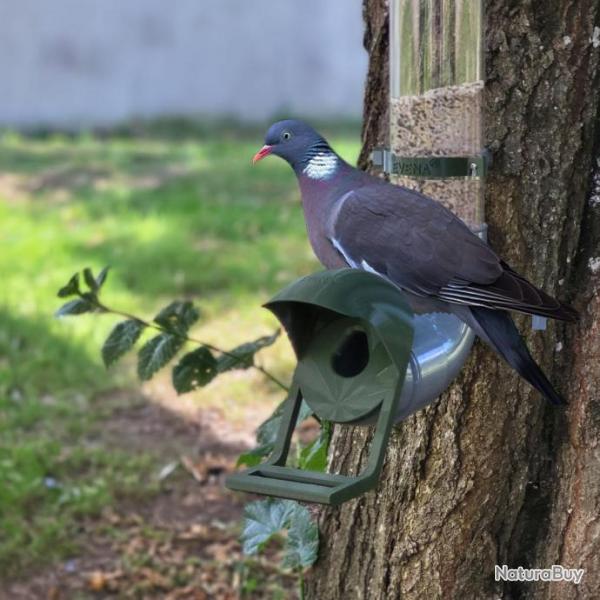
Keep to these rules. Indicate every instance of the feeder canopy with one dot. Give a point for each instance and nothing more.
(350, 330)
(303, 306)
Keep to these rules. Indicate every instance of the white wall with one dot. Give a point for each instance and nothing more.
(86, 62)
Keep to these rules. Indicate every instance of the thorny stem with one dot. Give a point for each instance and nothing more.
(156, 326)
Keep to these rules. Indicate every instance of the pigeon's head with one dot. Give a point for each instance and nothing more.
(296, 142)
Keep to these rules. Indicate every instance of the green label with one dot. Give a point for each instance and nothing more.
(417, 167)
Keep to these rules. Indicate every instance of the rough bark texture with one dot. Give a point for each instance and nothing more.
(490, 474)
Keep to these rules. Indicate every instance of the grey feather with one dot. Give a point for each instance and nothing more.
(425, 249)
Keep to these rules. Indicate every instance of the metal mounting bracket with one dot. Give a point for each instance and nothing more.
(431, 167)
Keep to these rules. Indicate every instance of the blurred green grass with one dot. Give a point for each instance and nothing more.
(176, 215)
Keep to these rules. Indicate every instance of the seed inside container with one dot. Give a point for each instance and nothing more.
(442, 122)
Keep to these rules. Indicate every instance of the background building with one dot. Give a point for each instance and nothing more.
(88, 62)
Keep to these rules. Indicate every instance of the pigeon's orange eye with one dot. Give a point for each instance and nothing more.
(286, 135)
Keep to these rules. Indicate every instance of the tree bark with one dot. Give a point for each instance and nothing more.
(490, 474)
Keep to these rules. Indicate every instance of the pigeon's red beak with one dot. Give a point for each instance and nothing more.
(264, 151)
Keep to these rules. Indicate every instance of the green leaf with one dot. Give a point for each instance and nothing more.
(71, 288)
(266, 518)
(121, 339)
(90, 297)
(242, 357)
(304, 412)
(178, 316)
(254, 457)
(302, 548)
(267, 430)
(313, 457)
(267, 434)
(90, 280)
(102, 277)
(156, 353)
(262, 520)
(195, 369)
(74, 307)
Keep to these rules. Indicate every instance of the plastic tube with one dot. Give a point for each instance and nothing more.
(436, 79)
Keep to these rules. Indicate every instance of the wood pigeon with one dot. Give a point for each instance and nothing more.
(357, 220)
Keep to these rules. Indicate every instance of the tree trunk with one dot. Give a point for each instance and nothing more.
(491, 474)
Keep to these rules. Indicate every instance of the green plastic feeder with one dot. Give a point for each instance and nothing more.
(352, 333)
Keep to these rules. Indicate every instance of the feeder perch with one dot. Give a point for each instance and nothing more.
(352, 333)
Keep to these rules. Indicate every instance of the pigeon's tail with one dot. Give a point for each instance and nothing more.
(497, 328)
(509, 292)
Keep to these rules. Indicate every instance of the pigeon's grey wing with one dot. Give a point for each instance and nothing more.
(425, 249)
(409, 238)
(509, 292)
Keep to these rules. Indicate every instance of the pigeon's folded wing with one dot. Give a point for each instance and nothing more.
(425, 249)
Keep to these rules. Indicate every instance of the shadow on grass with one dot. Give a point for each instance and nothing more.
(36, 362)
(43, 406)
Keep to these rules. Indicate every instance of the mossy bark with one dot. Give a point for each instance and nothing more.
(491, 474)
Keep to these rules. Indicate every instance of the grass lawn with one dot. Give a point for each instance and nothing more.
(175, 217)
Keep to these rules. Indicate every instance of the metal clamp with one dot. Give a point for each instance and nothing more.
(431, 167)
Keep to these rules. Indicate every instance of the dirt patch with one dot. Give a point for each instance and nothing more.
(59, 183)
(11, 187)
(181, 542)
(66, 178)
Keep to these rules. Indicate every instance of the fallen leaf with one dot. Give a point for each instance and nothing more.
(155, 579)
(196, 531)
(97, 581)
(187, 593)
(53, 593)
(221, 552)
(100, 580)
(207, 467)
(195, 470)
(167, 470)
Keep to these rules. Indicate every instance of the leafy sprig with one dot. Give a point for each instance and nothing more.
(263, 519)
(195, 369)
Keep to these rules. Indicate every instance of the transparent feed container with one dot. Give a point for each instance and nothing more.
(436, 78)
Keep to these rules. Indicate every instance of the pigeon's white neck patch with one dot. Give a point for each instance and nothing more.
(321, 166)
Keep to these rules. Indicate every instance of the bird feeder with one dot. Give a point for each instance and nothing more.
(436, 88)
(352, 334)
